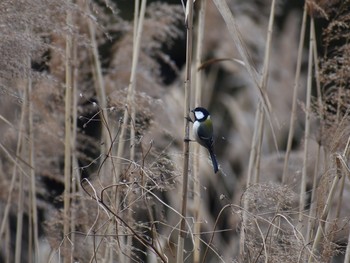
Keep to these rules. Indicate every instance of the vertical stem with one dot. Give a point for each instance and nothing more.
(7, 244)
(102, 99)
(295, 94)
(131, 90)
(312, 212)
(76, 174)
(324, 214)
(132, 136)
(132, 84)
(99, 82)
(19, 224)
(19, 228)
(15, 173)
(197, 149)
(252, 161)
(307, 124)
(68, 129)
(346, 155)
(34, 220)
(263, 86)
(182, 233)
(260, 132)
(347, 252)
(254, 158)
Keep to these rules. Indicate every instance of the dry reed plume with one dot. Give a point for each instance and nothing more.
(94, 146)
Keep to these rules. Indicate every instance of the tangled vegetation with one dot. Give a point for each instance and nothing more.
(96, 162)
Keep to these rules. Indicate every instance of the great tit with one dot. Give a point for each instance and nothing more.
(203, 132)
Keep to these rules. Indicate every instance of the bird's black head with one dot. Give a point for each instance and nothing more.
(200, 114)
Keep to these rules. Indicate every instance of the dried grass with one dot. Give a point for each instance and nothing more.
(143, 223)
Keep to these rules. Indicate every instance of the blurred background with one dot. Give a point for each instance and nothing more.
(93, 174)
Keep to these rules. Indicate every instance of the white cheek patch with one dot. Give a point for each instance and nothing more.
(199, 115)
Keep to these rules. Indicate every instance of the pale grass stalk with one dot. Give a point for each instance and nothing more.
(198, 101)
(251, 163)
(318, 170)
(131, 89)
(75, 172)
(312, 212)
(236, 37)
(340, 165)
(295, 96)
(9, 155)
(260, 133)
(132, 96)
(19, 224)
(7, 243)
(347, 252)
(102, 99)
(19, 152)
(230, 22)
(196, 199)
(307, 125)
(340, 198)
(99, 83)
(68, 135)
(318, 82)
(30, 231)
(106, 137)
(106, 231)
(346, 156)
(132, 137)
(32, 176)
(6, 121)
(253, 150)
(324, 214)
(263, 87)
(100, 86)
(188, 78)
(16, 164)
(5, 221)
(263, 240)
(132, 85)
(34, 220)
(254, 158)
(129, 100)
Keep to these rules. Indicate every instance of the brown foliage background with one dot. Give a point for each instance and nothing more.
(129, 215)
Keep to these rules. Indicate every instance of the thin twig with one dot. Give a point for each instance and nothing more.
(213, 232)
(136, 235)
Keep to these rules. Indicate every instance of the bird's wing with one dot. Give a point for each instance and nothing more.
(205, 133)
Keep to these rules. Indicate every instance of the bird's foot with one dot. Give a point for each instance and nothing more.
(189, 119)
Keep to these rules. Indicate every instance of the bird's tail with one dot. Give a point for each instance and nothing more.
(213, 159)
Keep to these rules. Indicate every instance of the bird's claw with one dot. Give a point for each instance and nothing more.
(189, 119)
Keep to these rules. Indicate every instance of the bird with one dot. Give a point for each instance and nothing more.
(203, 132)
